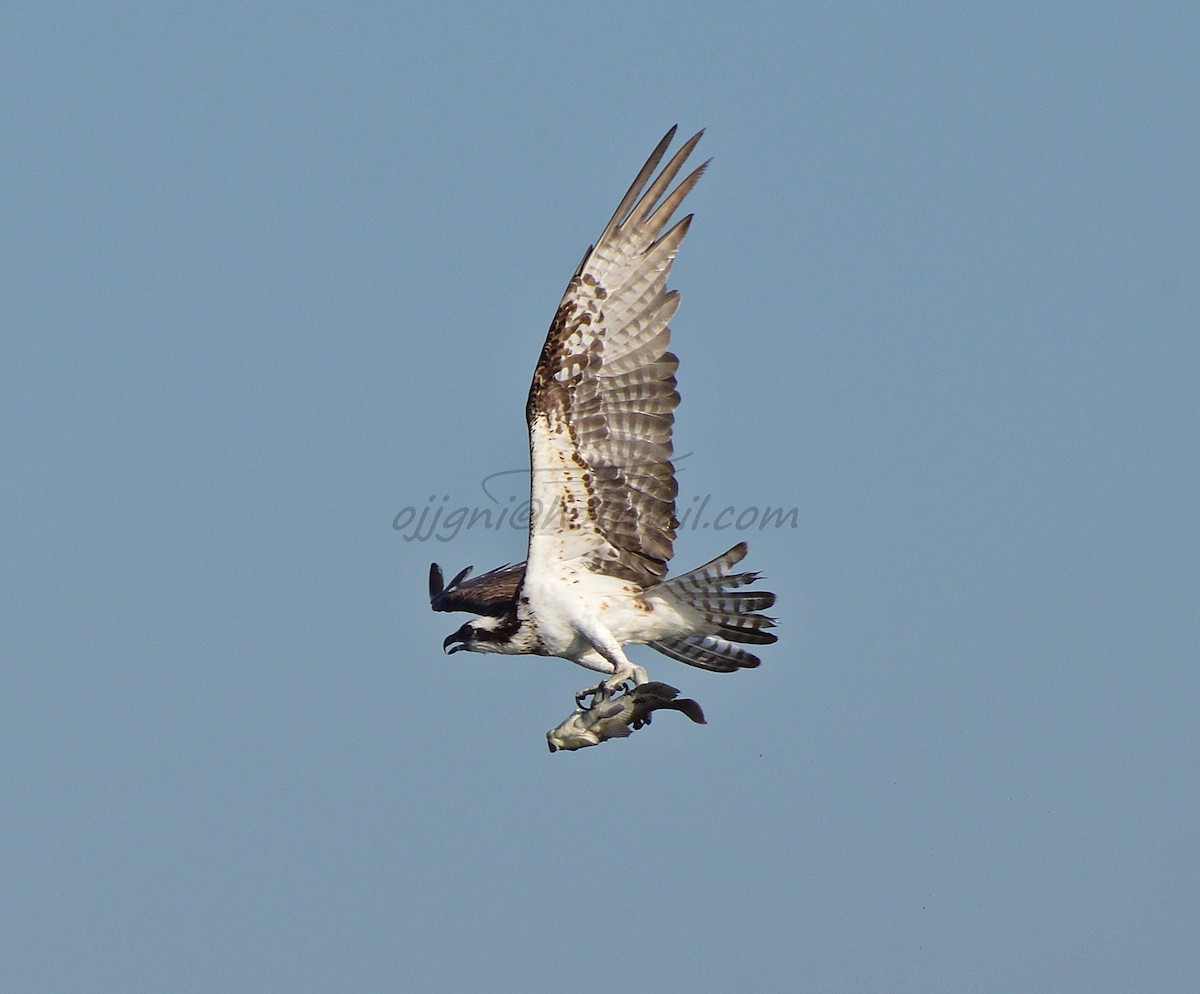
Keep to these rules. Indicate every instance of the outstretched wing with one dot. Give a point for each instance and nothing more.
(602, 405)
(492, 593)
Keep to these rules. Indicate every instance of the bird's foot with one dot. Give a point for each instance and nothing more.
(621, 680)
(598, 695)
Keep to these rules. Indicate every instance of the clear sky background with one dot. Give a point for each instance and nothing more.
(272, 275)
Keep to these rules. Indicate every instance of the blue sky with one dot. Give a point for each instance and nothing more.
(272, 275)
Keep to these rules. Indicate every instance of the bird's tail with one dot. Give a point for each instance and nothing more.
(730, 615)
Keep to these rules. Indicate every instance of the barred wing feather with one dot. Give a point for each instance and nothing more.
(601, 408)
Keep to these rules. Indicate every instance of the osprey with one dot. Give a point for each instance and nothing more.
(602, 500)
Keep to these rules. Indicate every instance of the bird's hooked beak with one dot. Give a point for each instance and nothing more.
(458, 641)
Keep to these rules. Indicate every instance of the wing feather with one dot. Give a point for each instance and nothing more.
(601, 406)
(492, 593)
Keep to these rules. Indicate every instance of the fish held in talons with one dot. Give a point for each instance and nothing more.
(617, 717)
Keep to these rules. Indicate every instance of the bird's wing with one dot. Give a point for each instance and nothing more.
(602, 404)
(491, 593)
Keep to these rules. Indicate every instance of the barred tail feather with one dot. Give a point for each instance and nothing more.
(707, 652)
(731, 615)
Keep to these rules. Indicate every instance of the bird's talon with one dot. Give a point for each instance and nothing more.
(597, 694)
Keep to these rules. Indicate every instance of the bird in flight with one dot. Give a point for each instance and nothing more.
(601, 410)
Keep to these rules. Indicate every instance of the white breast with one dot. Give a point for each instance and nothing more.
(577, 599)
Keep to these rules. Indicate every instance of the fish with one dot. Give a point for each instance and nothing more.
(617, 717)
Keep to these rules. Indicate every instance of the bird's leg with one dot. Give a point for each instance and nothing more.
(605, 645)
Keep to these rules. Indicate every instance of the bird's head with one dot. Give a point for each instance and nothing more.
(483, 634)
